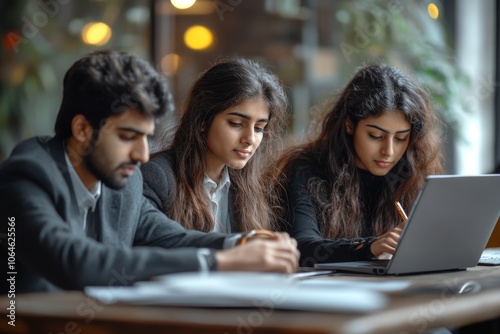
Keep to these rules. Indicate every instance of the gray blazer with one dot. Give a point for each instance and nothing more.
(160, 185)
(51, 249)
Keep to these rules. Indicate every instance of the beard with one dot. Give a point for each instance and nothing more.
(101, 168)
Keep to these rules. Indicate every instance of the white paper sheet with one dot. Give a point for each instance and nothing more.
(242, 290)
(382, 286)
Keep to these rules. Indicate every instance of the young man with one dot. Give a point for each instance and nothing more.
(72, 208)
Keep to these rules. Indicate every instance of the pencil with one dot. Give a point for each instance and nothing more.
(401, 211)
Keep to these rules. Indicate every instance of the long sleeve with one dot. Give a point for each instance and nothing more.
(135, 241)
(160, 187)
(159, 181)
(302, 223)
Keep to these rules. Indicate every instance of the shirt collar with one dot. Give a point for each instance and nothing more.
(86, 199)
(211, 186)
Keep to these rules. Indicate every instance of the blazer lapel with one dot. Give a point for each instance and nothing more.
(232, 220)
(56, 149)
(108, 218)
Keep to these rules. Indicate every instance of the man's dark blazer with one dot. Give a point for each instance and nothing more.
(160, 185)
(51, 249)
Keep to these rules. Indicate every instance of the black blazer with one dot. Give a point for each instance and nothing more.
(51, 249)
(160, 185)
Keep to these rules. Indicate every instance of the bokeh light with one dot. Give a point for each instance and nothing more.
(170, 64)
(96, 33)
(182, 4)
(433, 10)
(198, 37)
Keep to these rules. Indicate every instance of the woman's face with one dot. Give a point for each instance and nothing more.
(234, 135)
(380, 142)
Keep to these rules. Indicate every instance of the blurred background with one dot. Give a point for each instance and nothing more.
(451, 47)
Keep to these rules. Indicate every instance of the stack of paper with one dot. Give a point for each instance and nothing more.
(236, 289)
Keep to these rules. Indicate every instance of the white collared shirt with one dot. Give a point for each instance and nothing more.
(219, 201)
(88, 199)
(85, 199)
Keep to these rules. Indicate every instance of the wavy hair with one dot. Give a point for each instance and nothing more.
(375, 89)
(224, 85)
(108, 83)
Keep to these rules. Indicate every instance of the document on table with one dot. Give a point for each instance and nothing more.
(242, 290)
(381, 286)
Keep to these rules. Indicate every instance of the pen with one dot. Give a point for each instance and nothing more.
(401, 211)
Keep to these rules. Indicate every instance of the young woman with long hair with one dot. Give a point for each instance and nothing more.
(210, 177)
(376, 144)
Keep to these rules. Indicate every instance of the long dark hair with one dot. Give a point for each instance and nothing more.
(374, 90)
(224, 85)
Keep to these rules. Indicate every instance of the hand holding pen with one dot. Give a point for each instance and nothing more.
(387, 242)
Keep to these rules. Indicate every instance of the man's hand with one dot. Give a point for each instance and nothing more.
(279, 255)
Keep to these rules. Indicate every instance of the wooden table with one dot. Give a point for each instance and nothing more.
(432, 301)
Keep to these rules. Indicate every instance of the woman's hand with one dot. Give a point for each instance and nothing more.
(279, 254)
(387, 242)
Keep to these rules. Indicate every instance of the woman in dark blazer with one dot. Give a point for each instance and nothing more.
(210, 177)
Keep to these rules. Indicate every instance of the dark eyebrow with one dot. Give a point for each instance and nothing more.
(266, 120)
(141, 133)
(384, 130)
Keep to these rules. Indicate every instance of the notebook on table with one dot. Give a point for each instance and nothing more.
(447, 229)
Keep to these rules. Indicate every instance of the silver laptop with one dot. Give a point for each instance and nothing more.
(447, 229)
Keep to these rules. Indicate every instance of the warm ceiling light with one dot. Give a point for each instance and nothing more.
(182, 4)
(433, 10)
(96, 33)
(198, 37)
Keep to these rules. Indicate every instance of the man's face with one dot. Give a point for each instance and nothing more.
(120, 147)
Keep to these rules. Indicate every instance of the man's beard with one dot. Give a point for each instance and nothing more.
(99, 169)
